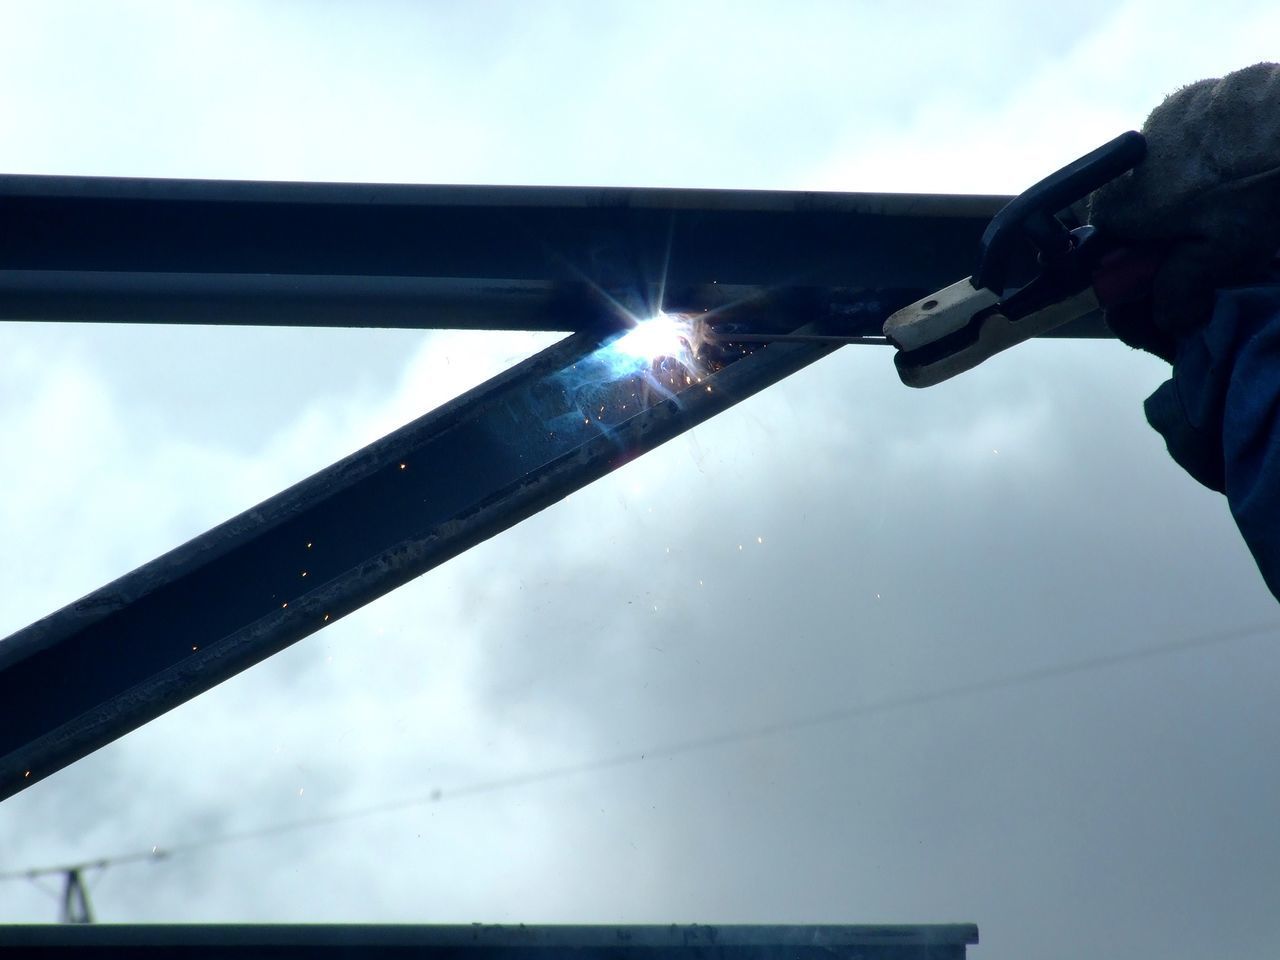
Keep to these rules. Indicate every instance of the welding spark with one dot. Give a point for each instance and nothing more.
(654, 359)
(660, 355)
(662, 335)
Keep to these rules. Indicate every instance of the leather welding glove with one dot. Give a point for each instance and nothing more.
(1207, 195)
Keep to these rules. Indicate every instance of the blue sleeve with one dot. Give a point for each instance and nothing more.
(1220, 414)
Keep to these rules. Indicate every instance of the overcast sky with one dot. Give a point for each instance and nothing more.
(895, 542)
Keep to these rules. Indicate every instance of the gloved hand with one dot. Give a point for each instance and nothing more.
(1207, 195)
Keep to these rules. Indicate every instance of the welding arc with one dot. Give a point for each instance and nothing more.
(714, 741)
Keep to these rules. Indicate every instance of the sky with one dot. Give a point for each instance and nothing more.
(951, 573)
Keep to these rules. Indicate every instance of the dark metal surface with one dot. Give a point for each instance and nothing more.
(156, 637)
(537, 258)
(232, 252)
(763, 942)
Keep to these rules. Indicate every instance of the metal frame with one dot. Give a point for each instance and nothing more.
(269, 577)
(603, 942)
(323, 254)
(529, 258)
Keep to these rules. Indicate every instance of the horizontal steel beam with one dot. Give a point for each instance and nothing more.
(529, 258)
(605, 941)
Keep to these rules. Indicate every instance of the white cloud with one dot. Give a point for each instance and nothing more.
(898, 554)
(961, 138)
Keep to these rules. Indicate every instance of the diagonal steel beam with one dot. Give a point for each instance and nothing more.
(184, 622)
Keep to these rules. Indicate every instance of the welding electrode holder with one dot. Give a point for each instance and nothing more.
(959, 327)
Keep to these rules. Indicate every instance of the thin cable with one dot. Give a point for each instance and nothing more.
(680, 748)
(100, 863)
(35, 881)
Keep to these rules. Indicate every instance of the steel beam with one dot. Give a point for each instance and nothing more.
(176, 626)
(529, 258)
(479, 942)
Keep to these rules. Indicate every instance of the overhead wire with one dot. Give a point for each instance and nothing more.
(679, 748)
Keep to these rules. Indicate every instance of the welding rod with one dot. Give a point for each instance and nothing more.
(794, 338)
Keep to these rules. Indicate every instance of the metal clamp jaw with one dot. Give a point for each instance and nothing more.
(962, 325)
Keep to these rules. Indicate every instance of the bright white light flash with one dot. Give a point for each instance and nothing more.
(662, 335)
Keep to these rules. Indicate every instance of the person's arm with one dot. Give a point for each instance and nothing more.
(1208, 195)
(1220, 414)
